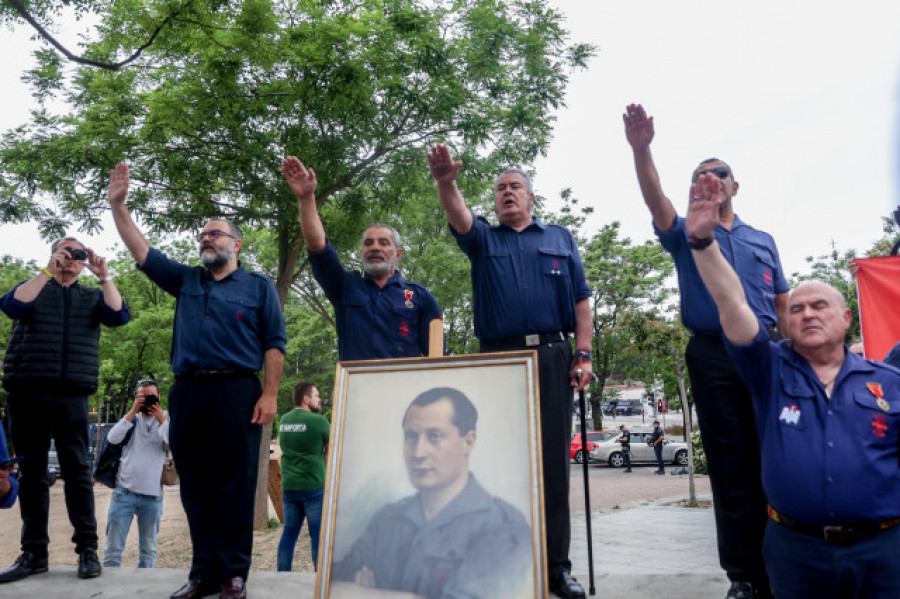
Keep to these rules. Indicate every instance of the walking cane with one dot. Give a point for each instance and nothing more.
(587, 491)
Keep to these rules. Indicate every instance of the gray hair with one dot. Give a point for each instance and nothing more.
(395, 235)
(57, 243)
(518, 171)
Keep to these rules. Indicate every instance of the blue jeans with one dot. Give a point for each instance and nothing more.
(802, 566)
(297, 506)
(123, 506)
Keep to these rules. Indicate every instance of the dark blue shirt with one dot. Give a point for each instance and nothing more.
(824, 461)
(10, 498)
(226, 324)
(753, 256)
(16, 309)
(375, 322)
(524, 282)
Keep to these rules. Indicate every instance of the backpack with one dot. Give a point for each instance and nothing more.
(109, 458)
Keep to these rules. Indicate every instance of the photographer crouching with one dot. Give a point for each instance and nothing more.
(138, 488)
(49, 369)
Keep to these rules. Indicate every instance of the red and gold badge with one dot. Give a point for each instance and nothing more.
(408, 294)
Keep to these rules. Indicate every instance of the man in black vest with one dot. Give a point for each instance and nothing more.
(49, 369)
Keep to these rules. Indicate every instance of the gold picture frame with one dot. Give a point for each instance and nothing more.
(370, 467)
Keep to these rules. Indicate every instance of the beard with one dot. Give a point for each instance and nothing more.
(378, 269)
(218, 258)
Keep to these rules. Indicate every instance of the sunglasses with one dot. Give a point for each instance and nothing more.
(721, 172)
(214, 235)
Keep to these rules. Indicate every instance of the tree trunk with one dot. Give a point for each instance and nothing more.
(686, 410)
(261, 507)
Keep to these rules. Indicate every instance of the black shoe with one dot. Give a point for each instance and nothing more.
(627, 470)
(26, 565)
(740, 590)
(564, 585)
(88, 564)
(660, 471)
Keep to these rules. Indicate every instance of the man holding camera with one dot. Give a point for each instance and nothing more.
(138, 488)
(50, 368)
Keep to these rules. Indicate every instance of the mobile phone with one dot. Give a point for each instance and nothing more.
(10, 463)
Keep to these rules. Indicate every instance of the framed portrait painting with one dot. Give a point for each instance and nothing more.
(434, 480)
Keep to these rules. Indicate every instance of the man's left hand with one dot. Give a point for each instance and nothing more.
(264, 412)
(581, 361)
(96, 264)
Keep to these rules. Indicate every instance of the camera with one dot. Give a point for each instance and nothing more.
(149, 402)
(77, 253)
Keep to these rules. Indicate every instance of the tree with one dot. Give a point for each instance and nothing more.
(623, 278)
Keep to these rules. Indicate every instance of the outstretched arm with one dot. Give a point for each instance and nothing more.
(444, 170)
(128, 231)
(738, 321)
(639, 133)
(302, 182)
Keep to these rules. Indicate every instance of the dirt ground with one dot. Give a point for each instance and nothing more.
(173, 544)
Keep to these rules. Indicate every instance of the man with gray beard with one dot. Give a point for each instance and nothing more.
(228, 326)
(379, 314)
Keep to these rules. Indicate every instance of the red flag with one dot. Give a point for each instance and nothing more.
(878, 288)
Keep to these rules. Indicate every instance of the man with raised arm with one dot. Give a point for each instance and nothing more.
(722, 400)
(379, 314)
(829, 430)
(530, 292)
(228, 326)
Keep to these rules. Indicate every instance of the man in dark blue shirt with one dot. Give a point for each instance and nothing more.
(50, 369)
(723, 403)
(379, 315)
(530, 292)
(829, 429)
(228, 325)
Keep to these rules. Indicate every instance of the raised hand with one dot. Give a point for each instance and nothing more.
(300, 179)
(441, 163)
(638, 126)
(703, 212)
(118, 184)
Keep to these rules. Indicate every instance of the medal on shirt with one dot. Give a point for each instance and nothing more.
(408, 294)
(876, 390)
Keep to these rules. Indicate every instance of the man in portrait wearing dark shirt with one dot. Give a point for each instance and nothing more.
(379, 314)
(228, 326)
(450, 539)
(829, 429)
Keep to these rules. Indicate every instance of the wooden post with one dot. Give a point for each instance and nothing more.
(436, 338)
(275, 488)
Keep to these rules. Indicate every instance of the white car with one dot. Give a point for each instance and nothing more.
(610, 451)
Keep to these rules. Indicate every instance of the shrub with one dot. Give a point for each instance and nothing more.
(700, 466)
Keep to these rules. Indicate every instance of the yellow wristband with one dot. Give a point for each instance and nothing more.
(47, 272)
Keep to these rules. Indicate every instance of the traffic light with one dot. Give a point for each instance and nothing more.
(659, 405)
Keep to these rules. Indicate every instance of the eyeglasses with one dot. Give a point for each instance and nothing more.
(720, 171)
(214, 234)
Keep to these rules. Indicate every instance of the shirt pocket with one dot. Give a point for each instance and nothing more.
(244, 311)
(876, 419)
(554, 262)
(796, 404)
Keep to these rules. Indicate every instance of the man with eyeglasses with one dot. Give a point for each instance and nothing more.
(723, 402)
(228, 326)
(379, 314)
(138, 489)
(49, 369)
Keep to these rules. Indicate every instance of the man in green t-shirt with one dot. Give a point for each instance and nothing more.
(303, 436)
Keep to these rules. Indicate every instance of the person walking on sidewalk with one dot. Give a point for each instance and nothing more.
(625, 440)
(138, 490)
(303, 437)
(656, 441)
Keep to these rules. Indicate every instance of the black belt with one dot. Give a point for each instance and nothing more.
(522, 341)
(772, 330)
(839, 535)
(213, 375)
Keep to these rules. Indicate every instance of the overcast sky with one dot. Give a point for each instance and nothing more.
(800, 97)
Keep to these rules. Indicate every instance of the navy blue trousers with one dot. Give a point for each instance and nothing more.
(216, 451)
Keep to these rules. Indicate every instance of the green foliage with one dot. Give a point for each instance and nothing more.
(700, 465)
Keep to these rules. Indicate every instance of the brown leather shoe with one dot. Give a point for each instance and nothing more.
(234, 588)
(194, 589)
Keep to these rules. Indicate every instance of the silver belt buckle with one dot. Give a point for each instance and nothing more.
(532, 340)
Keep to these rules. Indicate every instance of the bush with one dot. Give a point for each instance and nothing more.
(700, 466)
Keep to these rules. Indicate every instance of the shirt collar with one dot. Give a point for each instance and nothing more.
(394, 279)
(535, 222)
(239, 274)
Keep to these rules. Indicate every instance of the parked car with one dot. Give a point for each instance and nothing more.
(624, 407)
(610, 452)
(575, 452)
